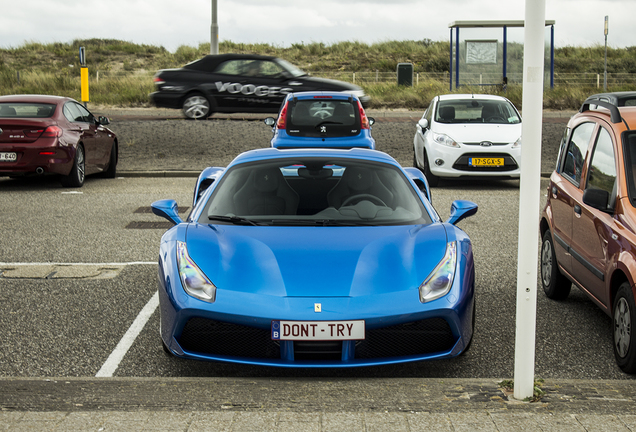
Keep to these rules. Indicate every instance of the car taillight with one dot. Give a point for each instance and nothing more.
(52, 132)
(33, 133)
(364, 121)
(49, 132)
(158, 81)
(323, 97)
(282, 118)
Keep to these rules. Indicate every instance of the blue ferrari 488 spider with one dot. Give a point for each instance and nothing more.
(315, 258)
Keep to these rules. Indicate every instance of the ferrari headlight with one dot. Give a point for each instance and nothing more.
(444, 139)
(439, 282)
(192, 278)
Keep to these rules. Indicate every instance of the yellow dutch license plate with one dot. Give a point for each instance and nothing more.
(494, 162)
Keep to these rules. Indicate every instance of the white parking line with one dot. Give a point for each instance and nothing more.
(112, 363)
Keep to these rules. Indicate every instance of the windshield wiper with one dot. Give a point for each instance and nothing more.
(328, 122)
(319, 222)
(236, 220)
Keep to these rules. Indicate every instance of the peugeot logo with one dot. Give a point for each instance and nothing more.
(485, 143)
(323, 129)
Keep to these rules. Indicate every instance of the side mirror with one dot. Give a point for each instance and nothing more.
(598, 199)
(423, 123)
(270, 121)
(103, 120)
(167, 209)
(371, 121)
(461, 209)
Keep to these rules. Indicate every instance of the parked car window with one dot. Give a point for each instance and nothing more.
(312, 190)
(575, 155)
(26, 110)
(562, 146)
(428, 115)
(71, 112)
(476, 111)
(629, 143)
(86, 116)
(602, 174)
(323, 118)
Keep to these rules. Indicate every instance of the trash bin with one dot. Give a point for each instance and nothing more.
(405, 74)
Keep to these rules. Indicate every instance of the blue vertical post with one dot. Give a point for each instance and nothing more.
(552, 56)
(505, 52)
(450, 56)
(457, 57)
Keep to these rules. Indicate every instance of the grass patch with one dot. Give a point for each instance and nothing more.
(538, 392)
(54, 68)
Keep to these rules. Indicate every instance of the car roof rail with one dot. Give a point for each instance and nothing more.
(615, 115)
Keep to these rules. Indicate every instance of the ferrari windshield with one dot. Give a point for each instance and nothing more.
(314, 192)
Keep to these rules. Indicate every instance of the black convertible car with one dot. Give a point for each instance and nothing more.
(237, 83)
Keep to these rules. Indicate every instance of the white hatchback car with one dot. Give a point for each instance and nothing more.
(463, 135)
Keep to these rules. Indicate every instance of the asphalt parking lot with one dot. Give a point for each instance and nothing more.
(67, 321)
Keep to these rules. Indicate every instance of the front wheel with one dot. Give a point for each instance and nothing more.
(555, 285)
(623, 315)
(196, 107)
(432, 179)
(76, 177)
(111, 171)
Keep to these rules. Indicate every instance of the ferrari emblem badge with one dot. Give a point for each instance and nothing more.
(317, 307)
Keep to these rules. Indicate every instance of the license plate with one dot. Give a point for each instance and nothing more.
(8, 156)
(318, 330)
(485, 161)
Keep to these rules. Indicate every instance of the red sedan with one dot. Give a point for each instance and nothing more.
(54, 135)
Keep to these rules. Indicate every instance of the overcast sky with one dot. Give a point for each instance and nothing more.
(171, 23)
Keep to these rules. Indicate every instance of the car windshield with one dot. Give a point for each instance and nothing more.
(293, 70)
(476, 111)
(323, 118)
(314, 192)
(26, 110)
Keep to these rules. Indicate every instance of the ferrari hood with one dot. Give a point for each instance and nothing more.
(478, 132)
(316, 261)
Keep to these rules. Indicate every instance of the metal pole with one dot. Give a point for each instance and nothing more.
(529, 198)
(605, 71)
(214, 31)
(451, 61)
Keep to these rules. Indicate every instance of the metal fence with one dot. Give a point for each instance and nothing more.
(371, 77)
(560, 79)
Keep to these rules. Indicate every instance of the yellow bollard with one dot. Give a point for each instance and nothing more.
(84, 77)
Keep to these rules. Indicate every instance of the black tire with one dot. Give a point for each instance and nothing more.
(432, 179)
(555, 285)
(196, 107)
(111, 171)
(78, 173)
(623, 316)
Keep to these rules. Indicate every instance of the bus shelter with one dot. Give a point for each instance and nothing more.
(491, 53)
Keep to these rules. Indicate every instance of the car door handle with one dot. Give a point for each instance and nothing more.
(577, 210)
